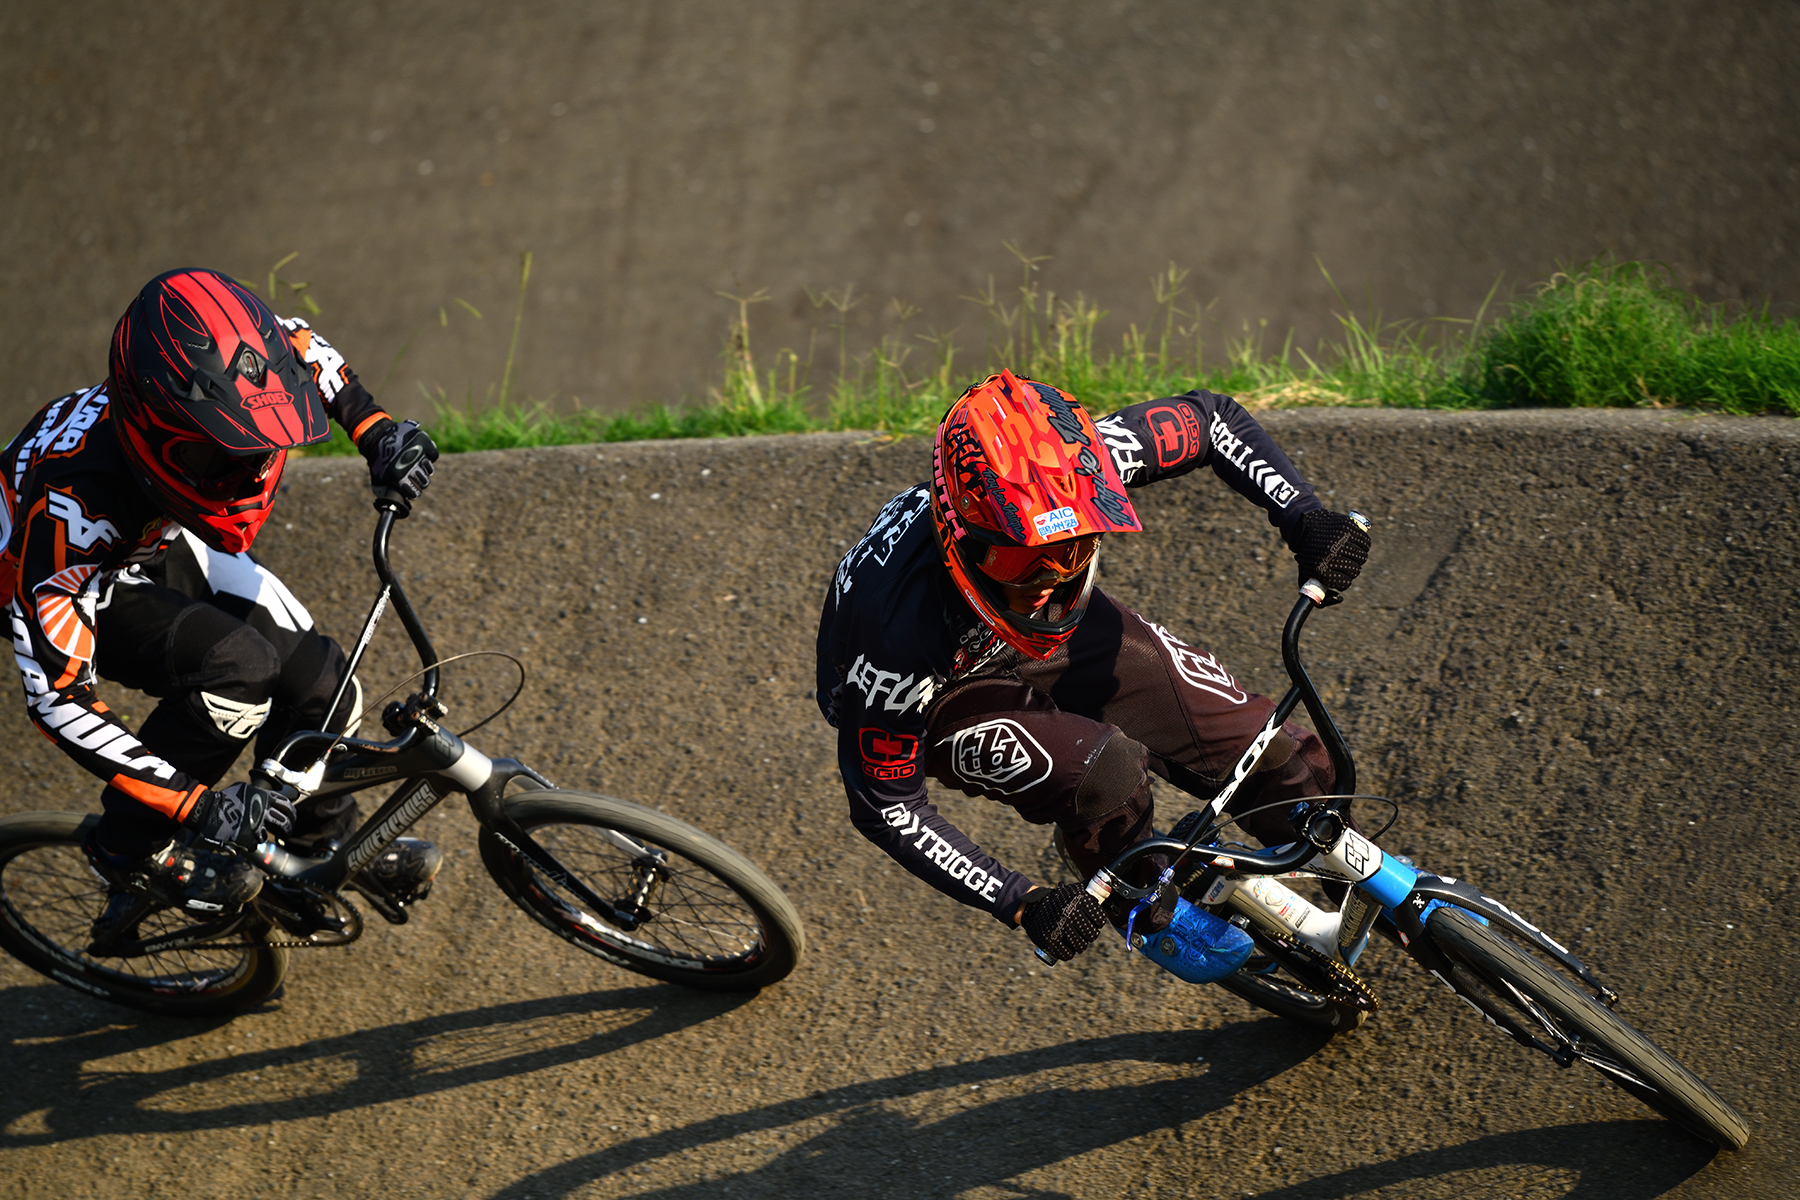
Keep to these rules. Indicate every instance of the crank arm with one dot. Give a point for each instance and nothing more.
(180, 939)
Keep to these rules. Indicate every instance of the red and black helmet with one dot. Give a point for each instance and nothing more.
(208, 398)
(1022, 491)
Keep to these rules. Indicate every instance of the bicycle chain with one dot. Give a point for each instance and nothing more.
(1346, 987)
(290, 943)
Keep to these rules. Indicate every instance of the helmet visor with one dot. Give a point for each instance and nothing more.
(1023, 566)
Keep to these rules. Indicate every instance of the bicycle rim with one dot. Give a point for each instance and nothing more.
(714, 921)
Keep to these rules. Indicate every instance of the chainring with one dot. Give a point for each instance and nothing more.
(1316, 973)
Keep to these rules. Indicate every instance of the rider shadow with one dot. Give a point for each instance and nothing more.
(868, 1147)
(69, 1100)
(1600, 1160)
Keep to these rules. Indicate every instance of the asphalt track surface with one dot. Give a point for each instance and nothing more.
(1571, 661)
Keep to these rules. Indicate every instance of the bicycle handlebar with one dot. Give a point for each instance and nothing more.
(392, 506)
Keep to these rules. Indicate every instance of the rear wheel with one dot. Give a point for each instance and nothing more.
(1562, 1014)
(705, 916)
(49, 897)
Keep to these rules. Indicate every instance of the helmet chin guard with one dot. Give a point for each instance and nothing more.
(1019, 464)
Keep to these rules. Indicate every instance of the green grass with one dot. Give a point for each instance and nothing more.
(1606, 334)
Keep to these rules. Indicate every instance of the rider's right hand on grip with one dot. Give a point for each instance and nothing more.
(241, 814)
(1062, 921)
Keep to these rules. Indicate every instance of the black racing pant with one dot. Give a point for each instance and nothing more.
(1071, 739)
(231, 656)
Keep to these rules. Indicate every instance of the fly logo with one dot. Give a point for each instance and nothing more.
(1196, 668)
(1237, 452)
(954, 863)
(1000, 756)
(897, 693)
(1127, 450)
(79, 531)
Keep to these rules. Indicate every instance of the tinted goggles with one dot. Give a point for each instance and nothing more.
(211, 469)
(1055, 563)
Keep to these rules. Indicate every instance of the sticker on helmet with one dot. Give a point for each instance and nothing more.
(1059, 520)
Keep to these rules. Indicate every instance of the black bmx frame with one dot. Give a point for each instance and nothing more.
(430, 762)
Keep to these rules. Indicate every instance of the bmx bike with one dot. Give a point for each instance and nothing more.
(625, 883)
(1517, 977)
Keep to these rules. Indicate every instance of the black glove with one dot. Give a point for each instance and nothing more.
(241, 815)
(1062, 921)
(1332, 549)
(400, 456)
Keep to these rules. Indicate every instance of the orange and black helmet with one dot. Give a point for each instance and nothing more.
(208, 398)
(1022, 491)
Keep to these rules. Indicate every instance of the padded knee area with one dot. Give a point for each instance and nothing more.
(1275, 756)
(1114, 776)
(213, 650)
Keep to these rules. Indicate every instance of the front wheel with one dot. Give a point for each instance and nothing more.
(49, 897)
(1566, 1016)
(705, 916)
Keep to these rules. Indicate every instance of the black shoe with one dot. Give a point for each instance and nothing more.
(187, 877)
(405, 869)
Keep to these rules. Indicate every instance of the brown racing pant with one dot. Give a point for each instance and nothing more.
(1072, 739)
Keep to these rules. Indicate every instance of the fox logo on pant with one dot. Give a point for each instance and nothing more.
(999, 756)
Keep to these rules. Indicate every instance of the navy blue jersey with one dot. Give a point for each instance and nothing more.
(894, 631)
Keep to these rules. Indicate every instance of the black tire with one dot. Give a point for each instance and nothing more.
(1487, 959)
(1273, 991)
(718, 923)
(49, 897)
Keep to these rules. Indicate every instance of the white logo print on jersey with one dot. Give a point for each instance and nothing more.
(959, 867)
(900, 692)
(1198, 669)
(1235, 451)
(79, 531)
(1000, 755)
(236, 719)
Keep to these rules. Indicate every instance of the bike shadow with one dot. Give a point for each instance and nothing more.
(858, 1140)
(73, 1092)
(885, 1138)
(1597, 1160)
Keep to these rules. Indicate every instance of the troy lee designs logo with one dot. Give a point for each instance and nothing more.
(897, 693)
(1236, 451)
(1198, 669)
(959, 867)
(999, 756)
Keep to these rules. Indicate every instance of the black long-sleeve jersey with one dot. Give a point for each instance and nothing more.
(894, 631)
(71, 518)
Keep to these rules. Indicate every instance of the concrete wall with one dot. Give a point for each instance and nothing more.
(652, 155)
